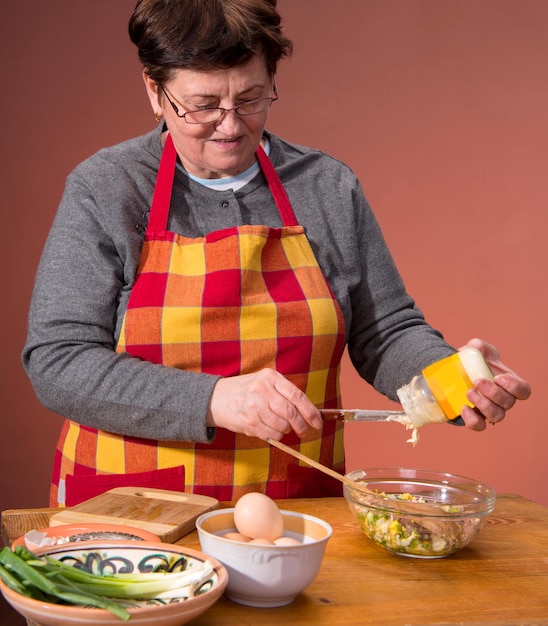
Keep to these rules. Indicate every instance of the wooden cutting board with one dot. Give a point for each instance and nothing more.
(168, 514)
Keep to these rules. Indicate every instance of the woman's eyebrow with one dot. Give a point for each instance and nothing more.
(213, 95)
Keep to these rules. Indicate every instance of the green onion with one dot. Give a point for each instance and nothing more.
(47, 578)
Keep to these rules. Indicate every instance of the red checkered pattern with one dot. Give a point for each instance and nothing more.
(230, 303)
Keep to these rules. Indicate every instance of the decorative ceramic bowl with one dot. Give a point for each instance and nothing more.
(73, 533)
(266, 575)
(126, 557)
(419, 513)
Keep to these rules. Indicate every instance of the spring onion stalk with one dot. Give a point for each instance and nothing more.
(13, 582)
(136, 586)
(50, 579)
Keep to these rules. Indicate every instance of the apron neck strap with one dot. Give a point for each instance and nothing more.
(276, 188)
(161, 200)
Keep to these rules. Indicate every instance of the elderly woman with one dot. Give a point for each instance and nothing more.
(200, 283)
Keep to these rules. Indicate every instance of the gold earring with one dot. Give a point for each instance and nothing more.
(157, 116)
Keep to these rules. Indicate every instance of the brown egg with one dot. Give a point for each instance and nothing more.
(236, 537)
(287, 541)
(262, 541)
(258, 516)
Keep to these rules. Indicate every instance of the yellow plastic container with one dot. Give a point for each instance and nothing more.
(439, 392)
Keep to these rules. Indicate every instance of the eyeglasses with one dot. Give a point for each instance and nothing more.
(209, 116)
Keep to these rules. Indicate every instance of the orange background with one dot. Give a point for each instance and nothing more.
(439, 107)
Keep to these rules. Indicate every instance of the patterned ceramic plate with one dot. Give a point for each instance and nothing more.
(102, 557)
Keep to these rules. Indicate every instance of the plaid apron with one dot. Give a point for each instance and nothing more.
(232, 302)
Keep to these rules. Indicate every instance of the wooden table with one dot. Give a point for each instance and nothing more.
(500, 579)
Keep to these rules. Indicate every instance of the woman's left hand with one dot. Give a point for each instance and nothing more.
(493, 399)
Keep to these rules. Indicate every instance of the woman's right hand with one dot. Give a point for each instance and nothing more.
(263, 404)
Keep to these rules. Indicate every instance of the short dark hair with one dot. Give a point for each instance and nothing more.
(206, 34)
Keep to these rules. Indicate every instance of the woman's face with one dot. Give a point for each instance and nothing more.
(226, 147)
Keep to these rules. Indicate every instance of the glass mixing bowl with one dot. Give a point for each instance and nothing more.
(416, 512)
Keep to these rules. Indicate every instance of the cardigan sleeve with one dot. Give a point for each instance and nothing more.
(389, 340)
(81, 289)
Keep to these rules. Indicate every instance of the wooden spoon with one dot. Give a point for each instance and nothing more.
(323, 468)
(415, 508)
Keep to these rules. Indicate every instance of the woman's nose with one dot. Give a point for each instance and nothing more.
(229, 120)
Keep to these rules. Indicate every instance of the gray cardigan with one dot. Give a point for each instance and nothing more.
(90, 258)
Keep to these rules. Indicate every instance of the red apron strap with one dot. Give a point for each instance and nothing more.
(278, 192)
(159, 210)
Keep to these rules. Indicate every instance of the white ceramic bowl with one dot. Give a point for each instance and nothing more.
(265, 575)
(135, 555)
